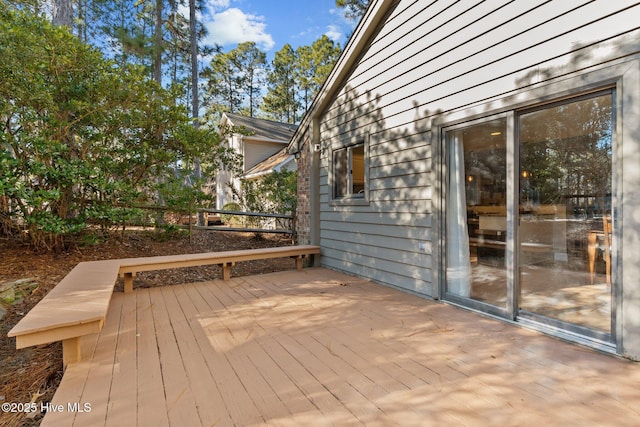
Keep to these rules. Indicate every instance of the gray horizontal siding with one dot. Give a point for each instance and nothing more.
(482, 67)
(434, 57)
(376, 234)
(366, 253)
(425, 29)
(400, 206)
(361, 219)
(381, 269)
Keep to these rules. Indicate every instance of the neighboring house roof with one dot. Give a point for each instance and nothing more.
(260, 128)
(274, 163)
(358, 43)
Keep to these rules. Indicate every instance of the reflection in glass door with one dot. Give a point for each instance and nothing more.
(565, 212)
(540, 247)
(477, 213)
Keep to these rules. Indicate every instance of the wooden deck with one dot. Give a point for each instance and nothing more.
(315, 347)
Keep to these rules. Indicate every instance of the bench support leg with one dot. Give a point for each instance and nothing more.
(299, 260)
(226, 270)
(128, 281)
(71, 351)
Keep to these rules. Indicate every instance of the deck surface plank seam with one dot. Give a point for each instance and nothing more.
(239, 401)
(124, 377)
(203, 382)
(181, 407)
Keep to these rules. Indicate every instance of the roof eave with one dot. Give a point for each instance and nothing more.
(363, 32)
(263, 139)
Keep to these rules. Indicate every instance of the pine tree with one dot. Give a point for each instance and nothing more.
(280, 102)
(313, 65)
(353, 9)
(253, 64)
(224, 84)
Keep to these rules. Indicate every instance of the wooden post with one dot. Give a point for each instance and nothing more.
(71, 351)
(299, 259)
(128, 281)
(226, 270)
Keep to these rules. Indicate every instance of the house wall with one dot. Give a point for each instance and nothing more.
(431, 58)
(224, 194)
(256, 151)
(252, 152)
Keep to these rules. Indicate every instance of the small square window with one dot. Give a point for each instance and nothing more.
(349, 172)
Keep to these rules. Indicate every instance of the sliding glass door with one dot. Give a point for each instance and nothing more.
(476, 213)
(528, 215)
(565, 212)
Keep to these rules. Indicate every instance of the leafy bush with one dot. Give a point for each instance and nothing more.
(232, 220)
(82, 140)
(275, 193)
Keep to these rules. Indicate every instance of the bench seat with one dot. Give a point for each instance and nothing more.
(77, 306)
(130, 266)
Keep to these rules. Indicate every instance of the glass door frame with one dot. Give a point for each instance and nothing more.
(512, 311)
(508, 311)
(524, 315)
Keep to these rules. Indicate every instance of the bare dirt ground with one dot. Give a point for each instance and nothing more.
(32, 374)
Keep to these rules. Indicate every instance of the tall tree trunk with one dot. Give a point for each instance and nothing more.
(157, 48)
(157, 76)
(193, 50)
(81, 23)
(251, 101)
(195, 104)
(63, 13)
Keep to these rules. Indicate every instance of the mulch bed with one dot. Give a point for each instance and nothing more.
(33, 374)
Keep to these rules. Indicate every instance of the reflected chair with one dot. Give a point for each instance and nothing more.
(592, 245)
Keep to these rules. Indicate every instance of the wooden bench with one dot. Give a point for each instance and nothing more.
(77, 306)
(130, 266)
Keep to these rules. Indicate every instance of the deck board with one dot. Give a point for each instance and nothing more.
(237, 400)
(208, 398)
(151, 405)
(124, 378)
(181, 406)
(316, 347)
(99, 378)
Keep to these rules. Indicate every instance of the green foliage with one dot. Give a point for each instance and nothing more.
(223, 89)
(234, 80)
(280, 191)
(275, 193)
(233, 220)
(293, 78)
(313, 65)
(170, 232)
(280, 102)
(353, 9)
(81, 139)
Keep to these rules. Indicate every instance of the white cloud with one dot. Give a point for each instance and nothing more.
(334, 33)
(233, 26)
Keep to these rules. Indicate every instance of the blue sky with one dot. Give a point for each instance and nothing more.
(273, 23)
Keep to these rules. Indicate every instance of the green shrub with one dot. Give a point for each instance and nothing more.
(232, 220)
